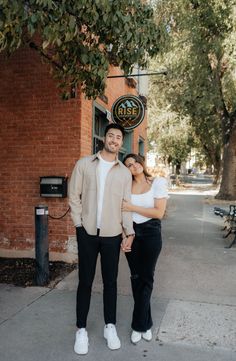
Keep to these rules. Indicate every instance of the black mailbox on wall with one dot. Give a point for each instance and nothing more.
(53, 186)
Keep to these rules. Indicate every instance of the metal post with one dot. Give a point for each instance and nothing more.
(41, 245)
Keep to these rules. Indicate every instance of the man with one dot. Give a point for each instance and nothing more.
(97, 187)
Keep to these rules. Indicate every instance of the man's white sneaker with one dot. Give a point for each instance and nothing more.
(135, 336)
(81, 342)
(110, 334)
(147, 335)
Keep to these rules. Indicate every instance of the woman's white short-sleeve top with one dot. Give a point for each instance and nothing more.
(158, 190)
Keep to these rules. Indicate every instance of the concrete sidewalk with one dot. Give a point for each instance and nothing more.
(193, 305)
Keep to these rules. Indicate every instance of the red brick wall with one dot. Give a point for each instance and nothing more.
(41, 135)
(141, 130)
(86, 126)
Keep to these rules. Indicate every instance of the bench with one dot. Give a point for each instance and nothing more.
(229, 217)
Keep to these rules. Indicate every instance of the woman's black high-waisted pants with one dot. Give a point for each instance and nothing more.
(142, 261)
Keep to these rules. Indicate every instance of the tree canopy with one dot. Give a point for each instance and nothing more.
(197, 44)
(169, 135)
(81, 38)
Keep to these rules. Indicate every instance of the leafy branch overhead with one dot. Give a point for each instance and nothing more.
(81, 38)
(197, 42)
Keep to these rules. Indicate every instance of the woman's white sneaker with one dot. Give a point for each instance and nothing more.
(147, 335)
(135, 337)
(110, 334)
(81, 342)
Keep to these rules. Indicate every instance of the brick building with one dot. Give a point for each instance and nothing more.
(42, 135)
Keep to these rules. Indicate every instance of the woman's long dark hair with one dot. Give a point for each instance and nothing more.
(141, 160)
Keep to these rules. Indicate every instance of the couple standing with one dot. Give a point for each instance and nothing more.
(103, 211)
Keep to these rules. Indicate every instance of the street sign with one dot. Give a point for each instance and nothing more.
(128, 111)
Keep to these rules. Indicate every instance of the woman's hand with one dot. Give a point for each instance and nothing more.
(127, 206)
(126, 244)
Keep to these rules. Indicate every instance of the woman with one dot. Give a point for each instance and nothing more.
(148, 204)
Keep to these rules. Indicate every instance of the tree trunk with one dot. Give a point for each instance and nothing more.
(228, 183)
(217, 170)
(215, 160)
(216, 177)
(178, 166)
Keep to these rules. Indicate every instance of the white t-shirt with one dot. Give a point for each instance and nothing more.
(159, 189)
(102, 171)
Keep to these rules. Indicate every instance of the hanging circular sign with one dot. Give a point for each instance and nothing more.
(128, 111)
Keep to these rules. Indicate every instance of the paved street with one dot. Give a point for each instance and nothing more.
(194, 300)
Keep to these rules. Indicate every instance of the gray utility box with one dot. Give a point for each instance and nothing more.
(53, 186)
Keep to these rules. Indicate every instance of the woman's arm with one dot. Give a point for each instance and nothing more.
(157, 212)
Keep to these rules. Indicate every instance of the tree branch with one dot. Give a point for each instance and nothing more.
(32, 45)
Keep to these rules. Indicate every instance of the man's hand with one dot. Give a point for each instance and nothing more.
(127, 243)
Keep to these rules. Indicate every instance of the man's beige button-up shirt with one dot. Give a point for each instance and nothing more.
(83, 195)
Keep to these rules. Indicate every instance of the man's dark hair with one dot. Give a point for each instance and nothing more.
(114, 126)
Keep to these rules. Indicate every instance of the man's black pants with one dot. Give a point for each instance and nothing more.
(88, 249)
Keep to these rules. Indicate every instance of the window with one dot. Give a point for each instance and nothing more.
(127, 145)
(141, 146)
(100, 123)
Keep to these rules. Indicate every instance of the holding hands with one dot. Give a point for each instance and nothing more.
(127, 240)
(127, 243)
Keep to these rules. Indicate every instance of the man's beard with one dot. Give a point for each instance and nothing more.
(107, 149)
